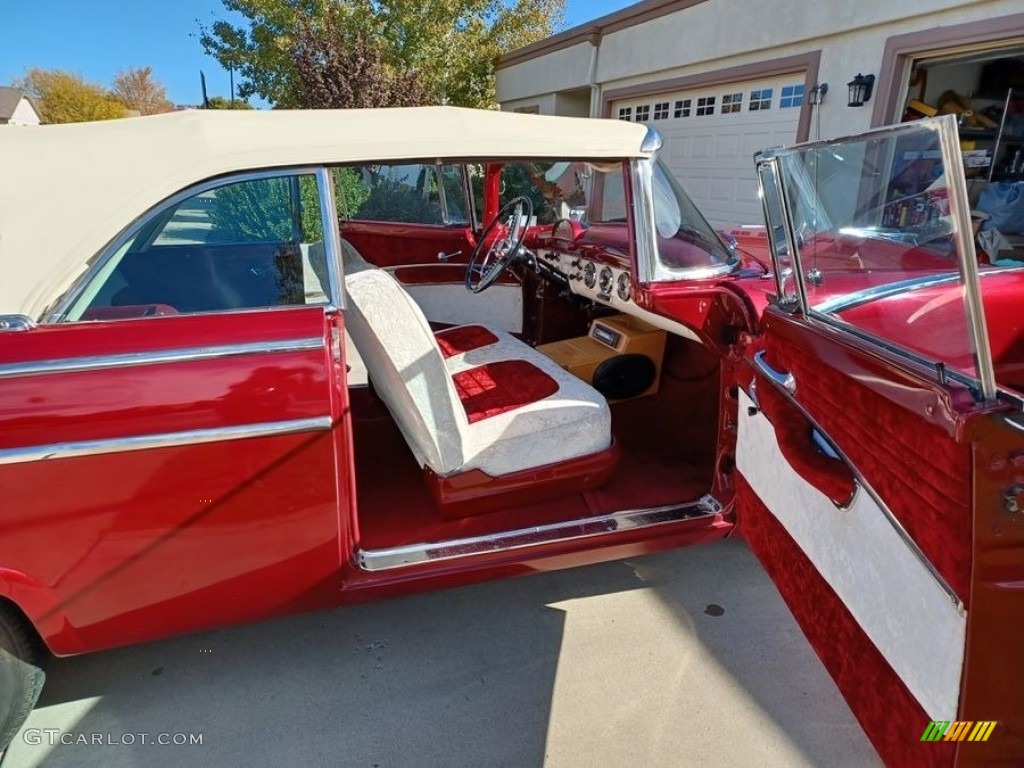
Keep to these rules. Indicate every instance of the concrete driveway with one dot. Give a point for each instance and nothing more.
(675, 659)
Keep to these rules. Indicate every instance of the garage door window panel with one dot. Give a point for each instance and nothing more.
(760, 100)
(706, 106)
(732, 102)
(792, 96)
(682, 108)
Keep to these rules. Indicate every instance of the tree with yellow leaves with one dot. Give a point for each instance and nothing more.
(64, 97)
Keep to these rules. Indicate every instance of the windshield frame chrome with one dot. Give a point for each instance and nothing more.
(642, 172)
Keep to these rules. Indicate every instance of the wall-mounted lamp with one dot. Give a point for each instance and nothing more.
(860, 89)
(817, 93)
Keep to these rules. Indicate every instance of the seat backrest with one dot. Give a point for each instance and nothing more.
(404, 363)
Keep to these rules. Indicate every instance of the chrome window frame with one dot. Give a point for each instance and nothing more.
(58, 311)
(985, 381)
(789, 301)
(641, 176)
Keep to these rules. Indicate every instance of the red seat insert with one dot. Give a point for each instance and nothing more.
(494, 388)
(455, 341)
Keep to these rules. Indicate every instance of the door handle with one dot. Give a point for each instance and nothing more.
(785, 380)
(442, 256)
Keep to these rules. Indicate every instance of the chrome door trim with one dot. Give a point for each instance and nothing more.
(953, 164)
(157, 357)
(162, 440)
(569, 530)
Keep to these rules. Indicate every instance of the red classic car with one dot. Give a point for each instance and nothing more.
(257, 363)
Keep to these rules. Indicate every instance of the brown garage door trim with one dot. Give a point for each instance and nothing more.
(806, 62)
(899, 48)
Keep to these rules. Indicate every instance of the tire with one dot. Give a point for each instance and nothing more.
(22, 671)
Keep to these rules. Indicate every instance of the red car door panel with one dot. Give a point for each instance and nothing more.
(992, 689)
(899, 434)
(878, 585)
(889, 713)
(168, 474)
(390, 244)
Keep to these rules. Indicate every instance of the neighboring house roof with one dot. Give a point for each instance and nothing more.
(10, 98)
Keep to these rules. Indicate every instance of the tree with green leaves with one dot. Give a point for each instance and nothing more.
(450, 45)
(64, 97)
(221, 102)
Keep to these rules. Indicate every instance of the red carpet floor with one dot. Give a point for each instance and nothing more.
(667, 443)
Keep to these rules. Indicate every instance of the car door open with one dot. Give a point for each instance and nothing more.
(859, 423)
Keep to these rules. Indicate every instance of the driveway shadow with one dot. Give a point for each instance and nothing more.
(680, 658)
(451, 678)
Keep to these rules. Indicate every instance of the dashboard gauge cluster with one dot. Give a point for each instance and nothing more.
(608, 284)
(589, 274)
(623, 287)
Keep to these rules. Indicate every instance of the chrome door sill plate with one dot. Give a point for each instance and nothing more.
(588, 527)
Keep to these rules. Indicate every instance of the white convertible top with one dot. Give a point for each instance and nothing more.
(67, 190)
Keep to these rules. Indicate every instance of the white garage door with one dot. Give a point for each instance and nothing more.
(711, 135)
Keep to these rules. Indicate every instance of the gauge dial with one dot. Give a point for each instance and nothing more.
(623, 286)
(589, 274)
(607, 281)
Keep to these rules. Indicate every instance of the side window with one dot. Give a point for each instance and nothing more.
(567, 190)
(413, 193)
(240, 245)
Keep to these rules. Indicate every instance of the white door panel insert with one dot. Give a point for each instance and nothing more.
(897, 601)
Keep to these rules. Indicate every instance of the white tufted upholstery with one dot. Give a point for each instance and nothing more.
(413, 378)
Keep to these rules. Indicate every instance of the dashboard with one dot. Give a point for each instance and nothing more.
(607, 284)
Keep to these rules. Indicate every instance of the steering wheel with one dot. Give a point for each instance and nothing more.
(489, 261)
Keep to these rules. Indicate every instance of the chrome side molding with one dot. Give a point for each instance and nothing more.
(164, 440)
(158, 357)
(413, 554)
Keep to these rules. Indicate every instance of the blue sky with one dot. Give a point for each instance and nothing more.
(96, 38)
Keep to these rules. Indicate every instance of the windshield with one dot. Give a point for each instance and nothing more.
(685, 239)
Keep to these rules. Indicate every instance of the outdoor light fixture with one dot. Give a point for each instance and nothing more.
(860, 89)
(817, 93)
